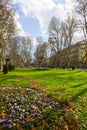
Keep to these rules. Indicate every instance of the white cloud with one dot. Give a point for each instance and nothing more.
(69, 6)
(20, 30)
(43, 10)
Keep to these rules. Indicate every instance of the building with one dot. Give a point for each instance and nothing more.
(74, 55)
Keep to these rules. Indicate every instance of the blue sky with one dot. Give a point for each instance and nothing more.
(30, 26)
(33, 16)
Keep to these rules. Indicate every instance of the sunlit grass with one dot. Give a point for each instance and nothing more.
(59, 84)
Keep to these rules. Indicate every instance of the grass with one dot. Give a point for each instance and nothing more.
(60, 84)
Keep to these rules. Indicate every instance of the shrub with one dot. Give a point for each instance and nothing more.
(13, 67)
(9, 67)
(5, 69)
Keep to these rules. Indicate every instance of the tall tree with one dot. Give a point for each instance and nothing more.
(68, 28)
(7, 26)
(54, 34)
(61, 36)
(26, 51)
(54, 40)
(81, 10)
(41, 54)
(13, 51)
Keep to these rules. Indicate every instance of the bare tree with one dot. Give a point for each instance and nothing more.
(41, 54)
(12, 50)
(54, 40)
(26, 51)
(54, 34)
(68, 28)
(81, 10)
(60, 37)
(7, 27)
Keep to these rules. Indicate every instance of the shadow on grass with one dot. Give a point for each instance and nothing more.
(22, 70)
(79, 85)
(74, 98)
(6, 77)
(44, 69)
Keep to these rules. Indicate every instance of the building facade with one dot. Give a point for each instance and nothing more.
(74, 56)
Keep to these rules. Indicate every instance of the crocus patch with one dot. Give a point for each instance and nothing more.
(24, 108)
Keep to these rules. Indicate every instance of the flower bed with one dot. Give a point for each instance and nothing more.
(24, 108)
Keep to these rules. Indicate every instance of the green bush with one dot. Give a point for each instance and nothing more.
(9, 67)
(5, 69)
(13, 67)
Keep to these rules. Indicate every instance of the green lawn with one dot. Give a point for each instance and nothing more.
(60, 84)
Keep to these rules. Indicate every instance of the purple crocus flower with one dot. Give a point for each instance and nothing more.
(6, 125)
(14, 112)
(4, 120)
(36, 114)
(9, 104)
